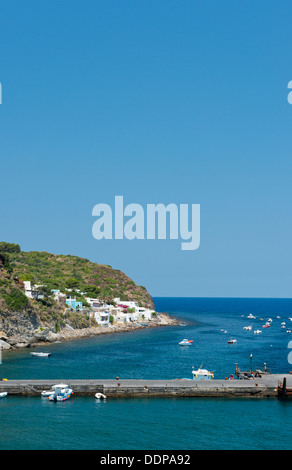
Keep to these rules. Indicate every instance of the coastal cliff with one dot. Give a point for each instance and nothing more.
(26, 321)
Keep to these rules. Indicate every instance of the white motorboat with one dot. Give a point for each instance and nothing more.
(100, 396)
(3, 394)
(257, 332)
(47, 393)
(202, 374)
(251, 316)
(186, 342)
(40, 354)
(60, 392)
(247, 328)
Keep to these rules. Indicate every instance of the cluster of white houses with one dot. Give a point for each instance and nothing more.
(103, 313)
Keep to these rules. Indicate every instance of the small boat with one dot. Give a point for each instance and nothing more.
(47, 393)
(202, 374)
(186, 342)
(60, 392)
(100, 396)
(270, 320)
(248, 328)
(257, 332)
(251, 316)
(40, 354)
(232, 341)
(3, 394)
(266, 325)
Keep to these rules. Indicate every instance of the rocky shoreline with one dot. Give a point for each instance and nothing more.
(46, 335)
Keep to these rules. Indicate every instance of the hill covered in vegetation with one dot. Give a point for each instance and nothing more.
(65, 272)
(22, 317)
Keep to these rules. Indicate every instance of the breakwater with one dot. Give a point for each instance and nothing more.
(263, 387)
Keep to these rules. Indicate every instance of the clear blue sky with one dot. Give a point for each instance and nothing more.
(158, 101)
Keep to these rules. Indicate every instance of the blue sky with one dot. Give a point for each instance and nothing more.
(158, 101)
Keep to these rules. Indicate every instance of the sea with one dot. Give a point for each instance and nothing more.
(84, 423)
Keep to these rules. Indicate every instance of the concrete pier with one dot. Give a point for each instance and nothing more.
(266, 386)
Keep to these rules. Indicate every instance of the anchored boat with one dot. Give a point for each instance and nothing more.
(100, 396)
(202, 374)
(3, 394)
(40, 354)
(60, 392)
(186, 342)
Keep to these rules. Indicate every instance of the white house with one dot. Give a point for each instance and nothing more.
(145, 313)
(58, 294)
(102, 318)
(32, 292)
(94, 303)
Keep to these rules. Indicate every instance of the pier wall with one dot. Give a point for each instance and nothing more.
(264, 387)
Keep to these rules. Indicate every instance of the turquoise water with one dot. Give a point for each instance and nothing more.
(150, 424)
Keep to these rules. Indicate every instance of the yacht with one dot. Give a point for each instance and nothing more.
(186, 342)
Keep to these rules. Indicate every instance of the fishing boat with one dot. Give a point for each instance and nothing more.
(3, 394)
(232, 341)
(100, 396)
(202, 374)
(40, 354)
(186, 342)
(60, 392)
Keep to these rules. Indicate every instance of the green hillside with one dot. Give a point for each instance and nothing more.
(71, 272)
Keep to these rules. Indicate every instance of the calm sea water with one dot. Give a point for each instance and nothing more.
(172, 424)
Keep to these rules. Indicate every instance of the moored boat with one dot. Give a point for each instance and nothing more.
(100, 396)
(60, 392)
(202, 374)
(3, 394)
(40, 354)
